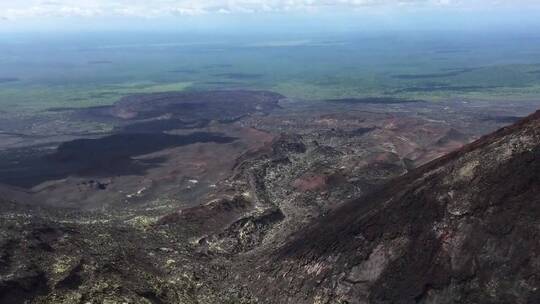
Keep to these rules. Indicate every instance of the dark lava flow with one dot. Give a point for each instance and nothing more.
(138, 121)
(161, 125)
(239, 76)
(107, 156)
(374, 100)
(8, 79)
(433, 75)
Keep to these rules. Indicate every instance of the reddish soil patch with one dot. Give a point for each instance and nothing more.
(311, 182)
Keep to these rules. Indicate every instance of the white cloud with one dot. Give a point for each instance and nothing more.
(19, 9)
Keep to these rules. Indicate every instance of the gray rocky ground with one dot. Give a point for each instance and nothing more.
(310, 203)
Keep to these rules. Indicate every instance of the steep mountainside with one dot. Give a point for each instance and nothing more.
(462, 229)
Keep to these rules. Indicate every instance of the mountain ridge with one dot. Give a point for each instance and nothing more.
(434, 233)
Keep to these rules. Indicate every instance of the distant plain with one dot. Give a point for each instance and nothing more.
(38, 73)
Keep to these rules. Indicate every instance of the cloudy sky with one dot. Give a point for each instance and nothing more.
(36, 13)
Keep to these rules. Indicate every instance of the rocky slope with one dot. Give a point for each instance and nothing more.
(462, 229)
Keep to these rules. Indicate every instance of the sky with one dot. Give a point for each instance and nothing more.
(36, 15)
